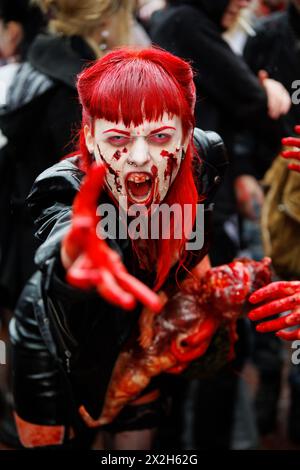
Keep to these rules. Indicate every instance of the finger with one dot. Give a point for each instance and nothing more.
(294, 167)
(289, 335)
(140, 291)
(274, 307)
(291, 154)
(204, 332)
(274, 290)
(110, 290)
(294, 317)
(291, 141)
(277, 324)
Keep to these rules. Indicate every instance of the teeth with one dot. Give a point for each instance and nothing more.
(138, 178)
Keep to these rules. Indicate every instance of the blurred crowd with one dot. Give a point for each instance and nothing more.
(245, 54)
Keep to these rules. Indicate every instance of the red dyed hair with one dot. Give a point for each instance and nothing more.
(132, 85)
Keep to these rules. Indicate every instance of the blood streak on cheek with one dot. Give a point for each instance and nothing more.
(125, 150)
(170, 164)
(117, 155)
(154, 171)
(116, 175)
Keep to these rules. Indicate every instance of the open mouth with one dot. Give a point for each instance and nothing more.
(139, 187)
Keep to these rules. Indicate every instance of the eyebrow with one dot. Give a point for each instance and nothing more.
(119, 131)
(162, 129)
(155, 131)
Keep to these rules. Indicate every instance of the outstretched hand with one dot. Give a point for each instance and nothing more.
(278, 297)
(90, 262)
(292, 153)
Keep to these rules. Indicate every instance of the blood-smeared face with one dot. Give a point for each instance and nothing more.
(142, 162)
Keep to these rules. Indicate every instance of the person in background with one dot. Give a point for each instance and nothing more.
(42, 107)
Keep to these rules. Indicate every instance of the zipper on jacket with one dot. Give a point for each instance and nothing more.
(67, 352)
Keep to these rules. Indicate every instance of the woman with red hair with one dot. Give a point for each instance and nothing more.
(71, 320)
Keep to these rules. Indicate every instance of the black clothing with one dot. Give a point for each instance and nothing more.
(41, 113)
(75, 335)
(213, 9)
(276, 49)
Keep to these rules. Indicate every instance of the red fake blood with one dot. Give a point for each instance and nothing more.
(170, 164)
(116, 175)
(125, 150)
(117, 155)
(154, 171)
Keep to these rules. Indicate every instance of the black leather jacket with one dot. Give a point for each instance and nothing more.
(82, 331)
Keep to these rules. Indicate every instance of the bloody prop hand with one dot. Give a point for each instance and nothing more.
(295, 153)
(279, 297)
(90, 262)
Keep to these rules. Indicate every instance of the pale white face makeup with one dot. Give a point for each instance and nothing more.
(142, 162)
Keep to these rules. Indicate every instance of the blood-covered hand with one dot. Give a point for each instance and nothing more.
(292, 153)
(278, 297)
(90, 262)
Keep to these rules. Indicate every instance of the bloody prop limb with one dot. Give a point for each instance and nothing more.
(280, 297)
(93, 262)
(182, 332)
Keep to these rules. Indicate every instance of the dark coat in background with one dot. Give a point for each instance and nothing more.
(276, 49)
(39, 119)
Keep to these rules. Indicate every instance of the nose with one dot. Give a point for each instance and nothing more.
(139, 153)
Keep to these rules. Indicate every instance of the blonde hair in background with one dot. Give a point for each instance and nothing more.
(84, 17)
